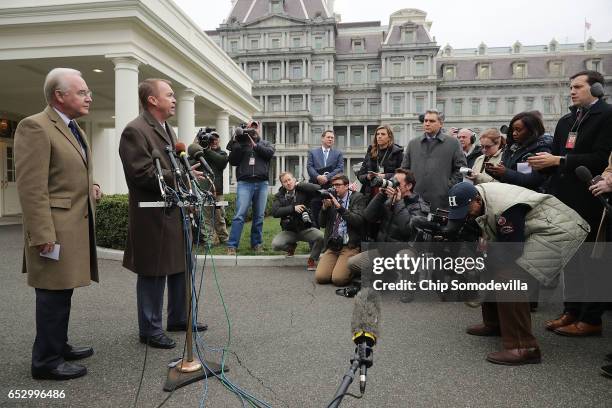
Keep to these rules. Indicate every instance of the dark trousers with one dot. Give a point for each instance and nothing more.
(150, 302)
(581, 281)
(52, 316)
(511, 313)
(315, 208)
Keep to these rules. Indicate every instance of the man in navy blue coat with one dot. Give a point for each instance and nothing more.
(323, 164)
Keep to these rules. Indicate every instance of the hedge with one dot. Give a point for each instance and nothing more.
(112, 218)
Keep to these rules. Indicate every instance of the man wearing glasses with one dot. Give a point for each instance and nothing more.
(342, 217)
(57, 195)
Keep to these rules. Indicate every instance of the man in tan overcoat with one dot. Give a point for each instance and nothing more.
(155, 248)
(57, 195)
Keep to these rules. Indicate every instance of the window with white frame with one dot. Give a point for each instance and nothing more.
(275, 43)
(475, 107)
(457, 107)
(358, 44)
(341, 77)
(396, 104)
(529, 103)
(419, 104)
(397, 69)
(374, 107)
(357, 79)
(341, 108)
(275, 72)
(374, 74)
(510, 106)
(296, 42)
(419, 68)
(357, 107)
(318, 42)
(483, 71)
(275, 103)
(296, 103)
(254, 72)
(317, 72)
(254, 43)
(555, 68)
(492, 106)
(317, 106)
(276, 6)
(296, 72)
(449, 72)
(519, 70)
(440, 105)
(234, 45)
(547, 105)
(594, 65)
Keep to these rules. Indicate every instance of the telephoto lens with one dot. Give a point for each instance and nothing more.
(384, 183)
(306, 219)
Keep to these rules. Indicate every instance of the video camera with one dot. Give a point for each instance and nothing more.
(242, 132)
(205, 135)
(327, 193)
(437, 228)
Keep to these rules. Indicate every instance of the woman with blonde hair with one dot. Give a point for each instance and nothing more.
(492, 146)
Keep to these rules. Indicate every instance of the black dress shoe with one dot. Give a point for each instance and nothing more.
(160, 341)
(64, 371)
(77, 353)
(183, 327)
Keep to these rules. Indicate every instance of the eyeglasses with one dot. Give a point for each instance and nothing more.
(487, 146)
(338, 184)
(82, 93)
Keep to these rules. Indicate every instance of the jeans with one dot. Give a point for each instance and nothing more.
(247, 193)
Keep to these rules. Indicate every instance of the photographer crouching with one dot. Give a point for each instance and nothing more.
(394, 207)
(290, 205)
(342, 218)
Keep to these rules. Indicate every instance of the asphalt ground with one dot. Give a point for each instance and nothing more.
(290, 346)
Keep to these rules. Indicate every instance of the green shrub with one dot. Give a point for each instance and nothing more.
(112, 218)
(112, 221)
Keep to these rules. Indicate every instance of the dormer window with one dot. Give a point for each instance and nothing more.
(483, 71)
(590, 44)
(276, 6)
(482, 49)
(519, 70)
(517, 47)
(594, 65)
(555, 68)
(358, 45)
(552, 47)
(449, 72)
(408, 33)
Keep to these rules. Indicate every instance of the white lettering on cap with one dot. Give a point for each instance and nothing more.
(452, 201)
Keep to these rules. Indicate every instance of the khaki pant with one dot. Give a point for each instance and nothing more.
(333, 266)
(286, 239)
(216, 233)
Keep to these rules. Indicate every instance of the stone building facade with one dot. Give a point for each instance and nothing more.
(312, 72)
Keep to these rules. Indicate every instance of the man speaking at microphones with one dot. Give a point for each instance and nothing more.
(155, 248)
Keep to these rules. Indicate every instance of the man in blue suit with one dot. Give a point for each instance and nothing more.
(323, 164)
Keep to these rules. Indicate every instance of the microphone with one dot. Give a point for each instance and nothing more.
(364, 326)
(195, 151)
(175, 166)
(180, 149)
(585, 175)
(160, 178)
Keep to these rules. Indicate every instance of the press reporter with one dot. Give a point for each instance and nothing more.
(342, 217)
(394, 208)
(291, 205)
(251, 155)
(492, 145)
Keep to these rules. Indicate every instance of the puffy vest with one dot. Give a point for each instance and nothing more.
(553, 231)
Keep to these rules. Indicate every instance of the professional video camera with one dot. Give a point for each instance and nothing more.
(436, 227)
(384, 183)
(242, 132)
(204, 135)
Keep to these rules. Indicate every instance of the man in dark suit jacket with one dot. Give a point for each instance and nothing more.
(57, 195)
(155, 248)
(323, 163)
(582, 138)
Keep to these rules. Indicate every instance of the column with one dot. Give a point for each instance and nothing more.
(308, 102)
(261, 70)
(278, 132)
(348, 169)
(222, 125)
(278, 170)
(348, 136)
(301, 132)
(366, 137)
(126, 110)
(283, 163)
(186, 116)
(383, 69)
(309, 68)
(306, 133)
(283, 133)
(301, 166)
(304, 73)
(265, 71)
(265, 103)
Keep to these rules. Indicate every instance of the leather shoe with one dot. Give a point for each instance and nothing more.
(483, 330)
(579, 329)
(159, 341)
(64, 371)
(183, 327)
(516, 356)
(563, 320)
(606, 370)
(77, 353)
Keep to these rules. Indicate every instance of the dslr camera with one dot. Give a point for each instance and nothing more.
(204, 135)
(466, 171)
(327, 193)
(384, 183)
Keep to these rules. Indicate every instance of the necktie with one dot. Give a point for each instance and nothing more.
(579, 114)
(325, 154)
(77, 136)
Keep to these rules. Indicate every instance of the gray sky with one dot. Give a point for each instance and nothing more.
(464, 24)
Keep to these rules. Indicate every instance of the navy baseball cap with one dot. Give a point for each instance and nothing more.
(459, 197)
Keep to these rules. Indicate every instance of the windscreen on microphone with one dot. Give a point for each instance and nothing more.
(180, 147)
(584, 174)
(194, 150)
(366, 316)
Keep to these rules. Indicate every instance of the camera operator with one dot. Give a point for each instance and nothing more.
(393, 206)
(342, 217)
(217, 158)
(290, 205)
(251, 155)
(545, 234)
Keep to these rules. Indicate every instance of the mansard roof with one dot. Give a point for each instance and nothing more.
(248, 11)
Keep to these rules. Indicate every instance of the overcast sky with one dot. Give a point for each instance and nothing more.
(464, 24)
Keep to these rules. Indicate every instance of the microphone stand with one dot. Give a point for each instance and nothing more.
(362, 357)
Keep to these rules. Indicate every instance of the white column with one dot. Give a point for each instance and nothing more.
(308, 102)
(301, 132)
(309, 68)
(366, 137)
(299, 176)
(278, 170)
(383, 69)
(304, 73)
(278, 132)
(348, 169)
(186, 116)
(126, 110)
(222, 126)
(348, 136)
(284, 133)
(306, 133)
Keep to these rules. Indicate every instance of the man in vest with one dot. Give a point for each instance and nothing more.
(536, 235)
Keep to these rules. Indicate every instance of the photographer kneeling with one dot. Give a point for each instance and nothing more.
(342, 217)
(393, 206)
(290, 206)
